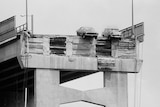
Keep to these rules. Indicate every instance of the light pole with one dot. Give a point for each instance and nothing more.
(32, 22)
(133, 19)
(32, 26)
(25, 71)
(26, 15)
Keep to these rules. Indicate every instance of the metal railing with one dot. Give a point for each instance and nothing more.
(21, 28)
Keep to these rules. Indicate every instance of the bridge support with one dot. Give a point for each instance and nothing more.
(45, 83)
(48, 93)
(116, 84)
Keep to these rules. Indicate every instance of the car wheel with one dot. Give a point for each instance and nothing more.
(83, 35)
(109, 37)
(78, 34)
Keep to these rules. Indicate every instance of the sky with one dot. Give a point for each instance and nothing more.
(66, 16)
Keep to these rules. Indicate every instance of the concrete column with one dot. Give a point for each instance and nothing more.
(46, 82)
(116, 84)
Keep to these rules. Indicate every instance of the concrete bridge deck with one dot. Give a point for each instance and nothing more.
(42, 62)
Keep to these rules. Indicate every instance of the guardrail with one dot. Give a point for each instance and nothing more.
(72, 45)
(21, 28)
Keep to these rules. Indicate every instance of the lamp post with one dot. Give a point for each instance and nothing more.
(25, 71)
(32, 26)
(26, 15)
(133, 18)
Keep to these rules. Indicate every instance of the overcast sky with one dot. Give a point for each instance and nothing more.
(66, 16)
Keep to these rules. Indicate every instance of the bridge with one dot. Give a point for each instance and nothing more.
(41, 62)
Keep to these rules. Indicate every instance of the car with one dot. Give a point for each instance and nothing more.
(112, 33)
(87, 32)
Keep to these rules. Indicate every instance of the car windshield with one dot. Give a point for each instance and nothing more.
(88, 29)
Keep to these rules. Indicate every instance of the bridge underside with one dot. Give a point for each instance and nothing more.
(13, 77)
